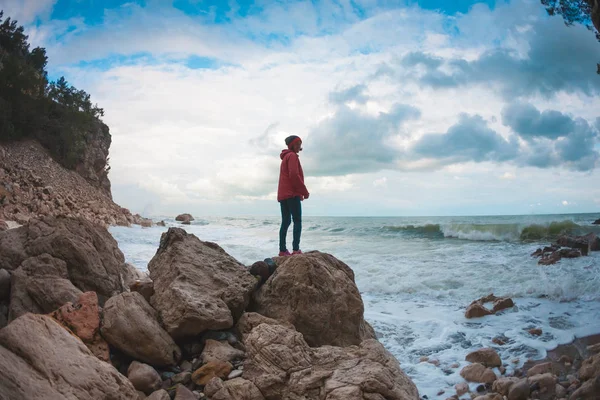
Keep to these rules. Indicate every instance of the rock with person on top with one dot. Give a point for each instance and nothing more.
(316, 293)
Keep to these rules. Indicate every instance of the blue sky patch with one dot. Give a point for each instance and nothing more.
(92, 11)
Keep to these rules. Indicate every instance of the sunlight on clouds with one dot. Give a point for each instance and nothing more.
(321, 72)
(508, 176)
(380, 182)
(330, 184)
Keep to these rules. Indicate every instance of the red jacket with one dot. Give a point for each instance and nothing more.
(291, 177)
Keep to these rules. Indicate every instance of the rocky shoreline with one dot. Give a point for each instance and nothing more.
(200, 325)
(78, 322)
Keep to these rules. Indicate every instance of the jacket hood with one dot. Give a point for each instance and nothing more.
(284, 153)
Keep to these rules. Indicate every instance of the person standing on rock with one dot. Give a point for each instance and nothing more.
(290, 193)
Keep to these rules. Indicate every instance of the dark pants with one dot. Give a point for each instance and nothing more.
(291, 209)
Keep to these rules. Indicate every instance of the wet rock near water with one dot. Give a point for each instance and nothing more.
(477, 309)
(567, 246)
(569, 372)
(185, 219)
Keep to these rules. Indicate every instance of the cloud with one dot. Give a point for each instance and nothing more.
(369, 88)
(508, 176)
(565, 203)
(548, 64)
(529, 122)
(577, 150)
(468, 140)
(26, 11)
(352, 94)
(380, 182)
(351, 141)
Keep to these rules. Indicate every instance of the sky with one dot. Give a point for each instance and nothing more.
(404, 107)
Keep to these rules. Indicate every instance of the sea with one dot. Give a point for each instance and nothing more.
(417, 275)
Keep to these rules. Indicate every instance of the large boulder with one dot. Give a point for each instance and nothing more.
(39, 359)
(486, 356)
(130, 324)
(478, 373)
(197, 285)
(83, 319)
(40, 285)
(282, 366)
(93, 259)
(590, 367)
(317, 294)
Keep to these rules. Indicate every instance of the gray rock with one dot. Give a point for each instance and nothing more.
(130, 324)
(159, 395)
(143, 377)
(39, 359)
(197, 285)
(4, 285)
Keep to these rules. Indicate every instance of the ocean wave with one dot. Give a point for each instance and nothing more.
(493, 232)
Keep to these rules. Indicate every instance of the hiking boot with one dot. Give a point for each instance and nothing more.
(297, 252)
(284, 253)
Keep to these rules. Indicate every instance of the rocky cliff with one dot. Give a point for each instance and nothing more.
(92, 163)
(33, 184)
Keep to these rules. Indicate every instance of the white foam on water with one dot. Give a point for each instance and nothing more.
(412, 329)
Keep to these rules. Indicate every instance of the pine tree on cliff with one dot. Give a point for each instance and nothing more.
(585, 12)
(57, 114)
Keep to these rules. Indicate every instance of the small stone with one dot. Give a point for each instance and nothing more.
(424, 359)
(186, 366)
(540, 369)
(440, 392)
(167, 375)
(535, 332)
(434, 362)
(565, 360)
(461, 388)
(236, 373)
(211, 369)
(499, 341)
(159, 395)
(515, 361)
(182, 377)
(455, 365)
(183, 393)
(143, 377)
